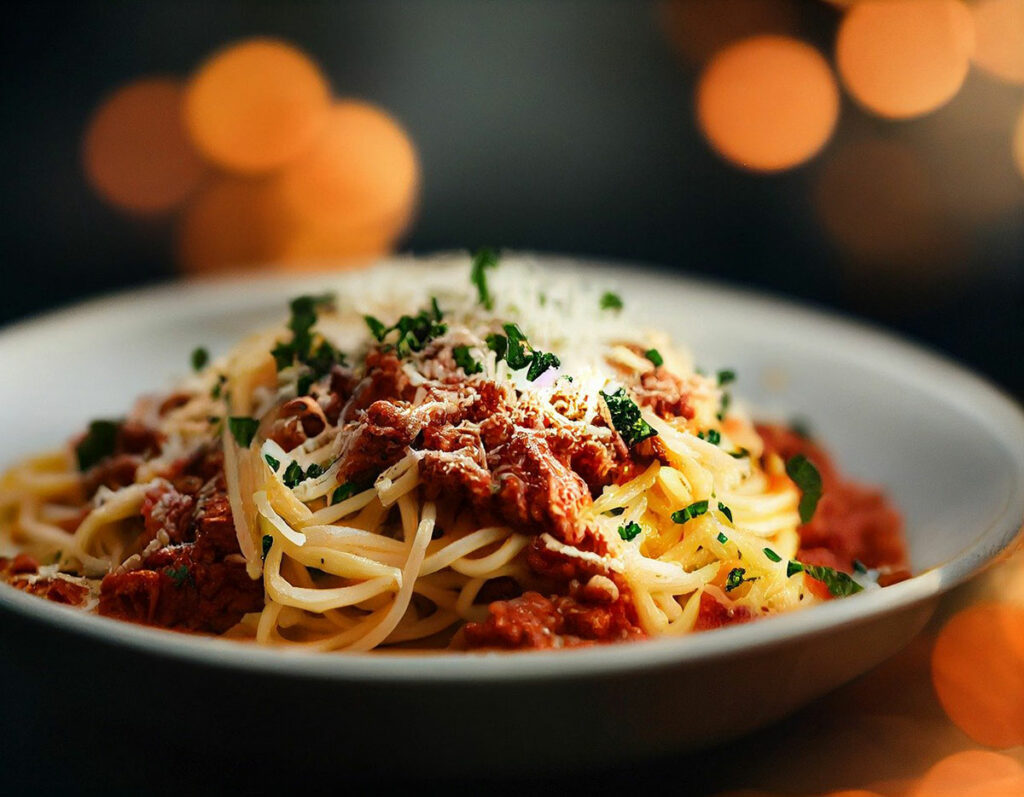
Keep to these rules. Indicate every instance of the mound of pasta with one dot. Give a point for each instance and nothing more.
(468, 456)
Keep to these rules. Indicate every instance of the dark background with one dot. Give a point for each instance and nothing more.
(554, 126)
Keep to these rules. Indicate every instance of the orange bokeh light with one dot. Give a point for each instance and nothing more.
(999, 38)
(904, 58)
(361, 174)
(1018, 143)
(232, 222)
(256, 105)
(135, 151)
(972, 773)
(698, 29)
(978, 673)
(768, 102)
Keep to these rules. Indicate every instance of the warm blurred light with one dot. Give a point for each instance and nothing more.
(978, 672)
(699, 28)
(1018, 143)
(876, 200)
(136, 153)
(256, 105)
(904, 58)
(972, 773)
(360, 175)
(999, 38)
(232, 222)
(853, 793)
(313, 246)
(768, 102)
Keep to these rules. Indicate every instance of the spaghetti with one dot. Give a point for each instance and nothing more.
(482, 460)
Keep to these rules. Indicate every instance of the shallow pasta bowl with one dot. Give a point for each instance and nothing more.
(947, 446)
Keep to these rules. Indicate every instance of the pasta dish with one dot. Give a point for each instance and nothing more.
(481, 457)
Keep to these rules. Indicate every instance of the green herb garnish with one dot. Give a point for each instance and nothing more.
(267, 541)
(346, 490)
(626, 417)
(273, 463)
(696, 509)
(200, 357)
(722, 538)
(414, 331)
(611, 301)
(725, 511)
(465, 360)
(293, 475)
(377, 327)
(243, 429)
(725, 376)
(838, 583)
(859, 566)
(629, 531)
(483, 259)
(726, 401)
(739, 453)
(540, 362)
(655, 357)
(806, 477)
(736, 578)
(177, 574)
(772, 556)
(713, 436)
(99, 443)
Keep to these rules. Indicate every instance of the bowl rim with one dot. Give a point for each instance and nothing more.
(930, 371)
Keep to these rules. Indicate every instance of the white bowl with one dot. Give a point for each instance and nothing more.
(948, 447)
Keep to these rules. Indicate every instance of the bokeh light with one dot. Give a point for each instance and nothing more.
(256, 105)
(767, 102)
(877, 201)
(232, 222)
(1018, 143)
(904, 58)
(361, 175)
(999, 38)
(135, 151)
(972, 773)
(698, 28)
(978, 673)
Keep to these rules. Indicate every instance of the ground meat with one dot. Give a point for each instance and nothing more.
(16, 572)
(198, 582)
(663, 392)
(176, 589)
(113, 472)
(713, 614)
(533, 621)
(852, 522)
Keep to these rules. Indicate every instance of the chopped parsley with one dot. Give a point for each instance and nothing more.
(273, 463)
(772, 556)
(200, 357)
(616, 511)
(725, 511)
(218, 386)
(414, 331)
(739, 453)
(838, 583)
(722, 538)
(483, 259)
(630, 531)
(99, 443)
(726, 401)
(346, 490)
(293, 475)
(655, 357)
(713, 436)
(725, 376)
(177, 574)
(737, 577)
(518, 353)
(303, 349)
(696, 509)
(611, 301)
(806, 477)
(243, 429)
(268, 541)
(859, 566)
(465, 360)
(626, 417)
(314, 470)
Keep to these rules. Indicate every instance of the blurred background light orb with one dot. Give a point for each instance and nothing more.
(361, 174)
(904, 58)
(768, 102)
(972, 773)
(978, 673)
(999, 38)
(135, 151)
(256, 105)
(698, 28)
(1018, 143)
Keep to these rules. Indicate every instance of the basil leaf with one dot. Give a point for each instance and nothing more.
(243, 429)
(806, 477)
